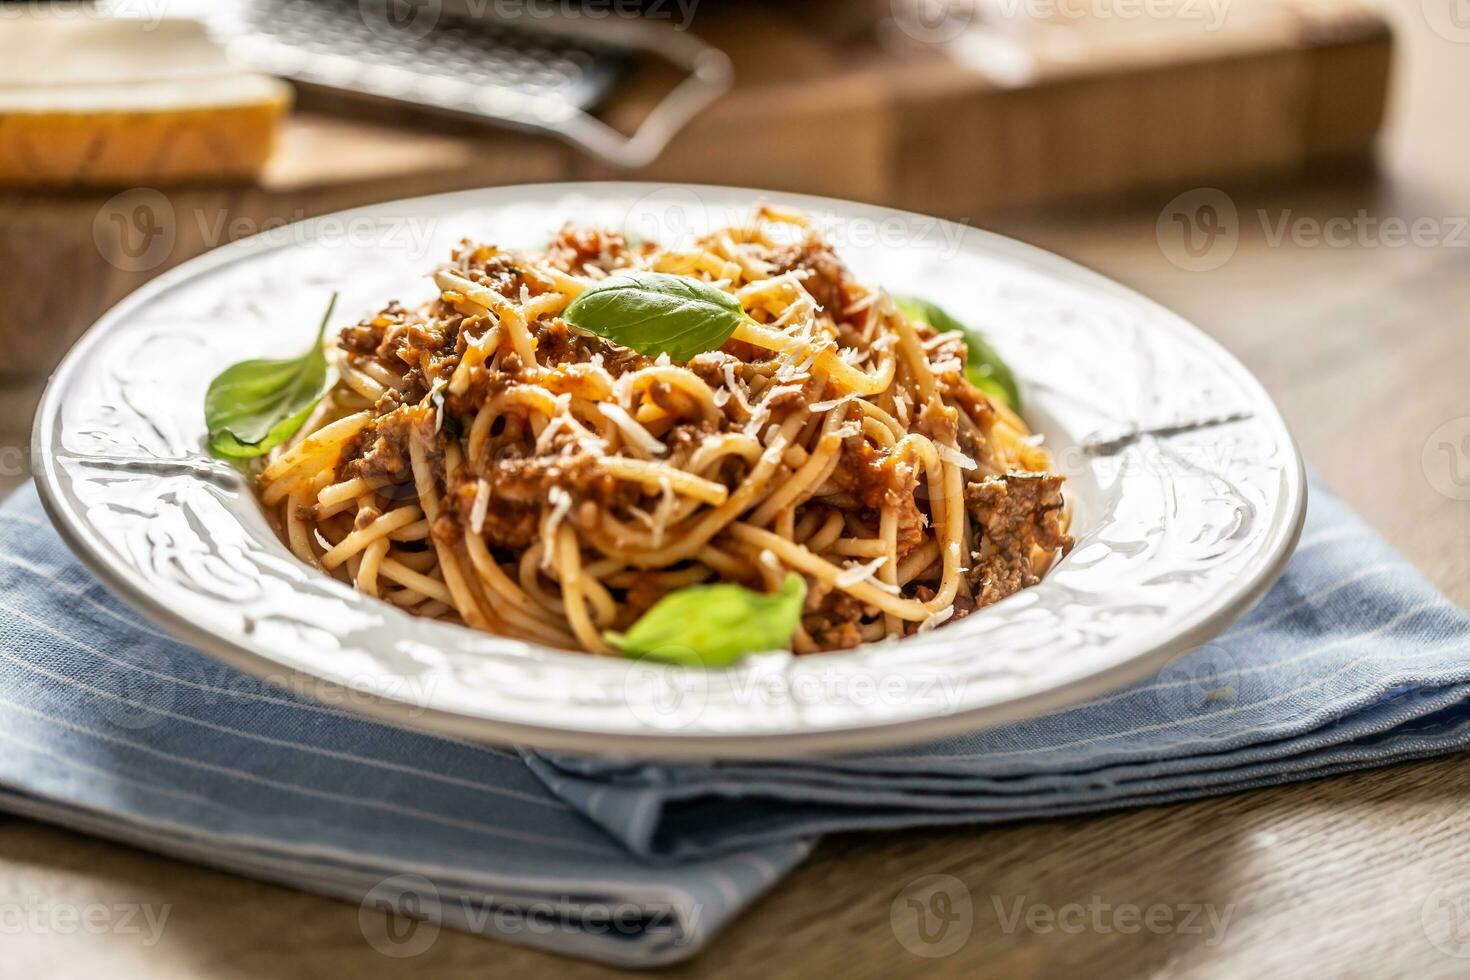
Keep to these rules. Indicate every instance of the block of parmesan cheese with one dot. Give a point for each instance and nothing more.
(88, 101)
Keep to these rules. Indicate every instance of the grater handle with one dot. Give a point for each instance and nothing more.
(710, 74)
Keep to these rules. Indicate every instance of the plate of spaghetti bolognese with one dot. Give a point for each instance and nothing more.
(670, 471)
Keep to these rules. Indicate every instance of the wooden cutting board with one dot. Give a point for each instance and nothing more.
(847, 98)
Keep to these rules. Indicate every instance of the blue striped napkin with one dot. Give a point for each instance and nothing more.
(112, 728)
(1352, 660)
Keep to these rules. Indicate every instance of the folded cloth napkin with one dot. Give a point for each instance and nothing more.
(111, 727)
(1352, 660)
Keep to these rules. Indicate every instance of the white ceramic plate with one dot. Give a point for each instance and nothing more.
(1187, 491)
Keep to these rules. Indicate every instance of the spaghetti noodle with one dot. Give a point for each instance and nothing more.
(481, 460)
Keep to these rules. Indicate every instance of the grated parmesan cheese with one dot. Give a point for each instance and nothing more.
(630, 427)
(734, 386)
(938, 619)
(561, 503)
(862, 304)
(664, 511)
(855, 573)
(813, 353)
(901, 408)
(940, 339)
(776, 390)
(827, 406)
(803, 306)
(481, 505)
(436, 396)
(954, 457)
(950, 365)
(775, 450)
(791, 279)
(557, 423)
(758, 418)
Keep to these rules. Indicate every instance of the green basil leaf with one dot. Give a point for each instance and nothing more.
(655, 313)
(254, 406)
(714, 625)
(984, 368)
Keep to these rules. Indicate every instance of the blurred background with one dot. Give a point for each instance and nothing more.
(1290, 174)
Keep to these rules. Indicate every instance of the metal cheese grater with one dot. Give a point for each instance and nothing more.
(455, 56)
(358, 41)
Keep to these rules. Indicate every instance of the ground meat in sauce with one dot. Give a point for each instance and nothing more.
(865, 473)
(518, 483)
(556, 343)
(833, 624)
(574, 248)
(380, 450)
(710, 367)
(938, 421)
(684, 441)
(951, 347)
(1018, 514)
(828, 282)
(911, 521)
(499, 272)
(518, 489)
(366, 337)
(977, 447)
(789, 397)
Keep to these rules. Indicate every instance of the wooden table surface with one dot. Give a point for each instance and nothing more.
(1365, 344)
